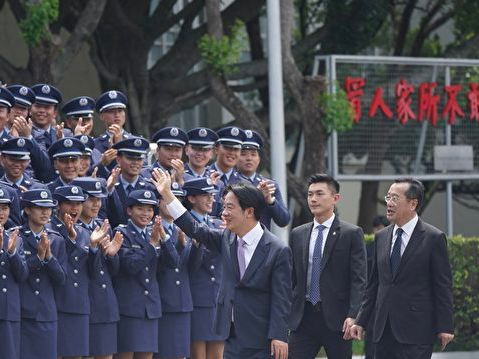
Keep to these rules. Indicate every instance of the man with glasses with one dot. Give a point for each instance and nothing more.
(410, 287)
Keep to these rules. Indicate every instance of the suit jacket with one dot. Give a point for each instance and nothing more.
(343, 272)
(260, 301)
(418, 298)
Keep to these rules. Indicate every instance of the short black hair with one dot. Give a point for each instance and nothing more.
(248, 197)
(324, 178)
(415, 190)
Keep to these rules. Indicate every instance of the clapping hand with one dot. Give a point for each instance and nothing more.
(70, 226)
(99, 233)
(12, 240)
(267, 188)
(59, 130)
(83, 129)
(43, 247)
(158, 232)
(110, 248)
(113, 179)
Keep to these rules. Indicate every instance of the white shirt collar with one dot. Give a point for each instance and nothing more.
(327, 223)
(408, 227)
(254, 235)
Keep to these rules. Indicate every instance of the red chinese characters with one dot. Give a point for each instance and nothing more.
(473, 101)
(403, 101)
(378, 102)
(427, 102)
(452, 107)
(354, 90)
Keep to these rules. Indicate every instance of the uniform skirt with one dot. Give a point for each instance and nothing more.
(103, 338)
(137, 335)
(9, 339)
(174, 335)
(39, 339)
(73, 334)
(202, 325)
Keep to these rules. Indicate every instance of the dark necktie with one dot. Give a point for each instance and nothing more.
(224, 179)
(129, 188)
(314, 289)
(241, 256)
(396, 252)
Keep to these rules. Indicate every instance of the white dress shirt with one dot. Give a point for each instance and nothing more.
(312, 242)
(408, 228)
(251, 239)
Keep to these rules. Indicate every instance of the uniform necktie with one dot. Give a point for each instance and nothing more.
(241, 256)
(314, 289)
(224, 179)
(129, 188)
(396, 253)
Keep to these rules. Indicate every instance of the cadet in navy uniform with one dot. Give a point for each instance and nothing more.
(43, 114)
(199, 152)
(13, 270)
(136, 285)
(205, 274)
(131, 153)
(170, 142)
(104, 313)
(73, 304)
(66, 154)
(247, 167)
(24, 98)
(46, 257)
(15, 157)
(76, 108)
(173, 279)
(6, 103)
(111, 106)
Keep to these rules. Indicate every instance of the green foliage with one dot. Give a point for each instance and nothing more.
(337, 111)
(464, 258)
(221, 54)
(39, 15)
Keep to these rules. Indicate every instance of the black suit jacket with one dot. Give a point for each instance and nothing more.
(343, 274)
(418, 298)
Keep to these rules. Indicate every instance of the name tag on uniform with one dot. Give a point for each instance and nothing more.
(27, 252)
(135, 246)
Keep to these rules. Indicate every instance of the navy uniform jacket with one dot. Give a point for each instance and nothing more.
(136, 286)
(55, 184)
(221, 184)
(206, 272)
(44, 138)
(41, 164)
(37, 293)
(13, 271)
(73, 296)
(116, 202)
(102, 143)
(27, 182)
(173, 277)
(103, 302)
(277, 211)
(260, 302)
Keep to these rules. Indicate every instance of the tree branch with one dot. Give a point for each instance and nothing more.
(404, 27)
(84, 27)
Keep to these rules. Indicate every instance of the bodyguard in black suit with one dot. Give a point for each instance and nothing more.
(329, 276)
(410, 287)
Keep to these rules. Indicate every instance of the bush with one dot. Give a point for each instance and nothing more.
(464, 258)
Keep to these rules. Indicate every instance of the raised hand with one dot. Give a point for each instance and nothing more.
(2, 231)
(113, 179)
(69, 224)
(43, 246)
(215, 177)
(83, 129)
(99, 233)
(116, 135)
(178, 170)
(158, 232)
(108, 156)
(12, 240)
(161, 180)
(93, 174)
(22, 126)
(59, 130)
(181, 238)
(114, 245)
(267, 188)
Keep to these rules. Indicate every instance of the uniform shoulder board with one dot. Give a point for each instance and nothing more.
(135, 246)
(28, 182)
(104, 136)
(27, 253)
(52, 231)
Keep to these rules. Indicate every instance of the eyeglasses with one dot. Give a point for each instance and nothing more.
(394, 199)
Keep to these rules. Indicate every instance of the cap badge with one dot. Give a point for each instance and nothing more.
(97, 185)
(75, 190)
(21, 142)
(249, 133)
(175, 185)
(84, 139)
(209, 181)
(23, 91)
(83, 101)
(235, 131)
(174, 132)
(137, 142)
(43, 194)
(147, 194)
(68, 143)
(46, 89)
(112, 94)
(202, 132)
(1, 193)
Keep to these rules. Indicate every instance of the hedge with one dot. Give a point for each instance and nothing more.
(464, 258)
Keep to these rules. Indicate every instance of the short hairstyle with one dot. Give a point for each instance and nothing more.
(324, 178)
(248, 197)
(415, 190)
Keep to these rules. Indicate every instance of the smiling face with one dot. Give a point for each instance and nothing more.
(67, 167)
(14, 168)
(248, 162)
(38, 216)
(321, 201)
(140, 214)
(236, 219)
(43, 115)
(4, 112)
(400, 209)
(130, 165)
(198, 157)
(227, 157)
(202, 203)
(164, 155)
(91, 208)
(72, 208)
(4, 213)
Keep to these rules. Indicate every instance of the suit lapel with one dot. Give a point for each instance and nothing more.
(383, 254)
(414, 241)
(258, 257)
(305, 239)
(231, 251)
(330, 241)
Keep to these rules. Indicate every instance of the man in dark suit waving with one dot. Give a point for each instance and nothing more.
(410, 287)
(329, 276)
(254, 298)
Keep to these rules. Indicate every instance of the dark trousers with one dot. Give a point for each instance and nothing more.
(389, 348)
(234, 350)
(313, 333)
